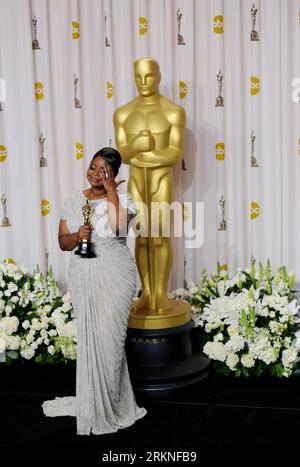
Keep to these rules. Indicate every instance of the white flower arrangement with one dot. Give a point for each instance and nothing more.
(249, 323)
(36, 322)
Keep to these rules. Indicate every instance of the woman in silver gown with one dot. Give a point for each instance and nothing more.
(101, 290)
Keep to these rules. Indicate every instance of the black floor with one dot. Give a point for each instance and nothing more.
(219, 415)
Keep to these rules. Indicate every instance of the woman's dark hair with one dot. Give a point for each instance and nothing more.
(112, 156)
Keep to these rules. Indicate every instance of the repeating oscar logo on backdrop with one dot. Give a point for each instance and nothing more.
(220, 151)
(143, 25)
(182, 90)
(255, 210)
(255, 85)
(218, 24)
(39, 91)
(75, 33)
(109, 90)
(3, 153)
(79, 151)
(45, 207)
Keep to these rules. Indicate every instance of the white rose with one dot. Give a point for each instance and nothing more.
(247, 360)
(219, 337)
(2, 344)
(45, 322)
(9, 324)
(13, 342)
(235, 343)
(51, 349)
(26, 324)
(232, 361)
(232, 330)
(27, 353)
(44, 333)
(289, 356)
(269, 355)
(8, 310)
(215, 351)
(66, 307)
(66, 297)
(36, 324)
(23, 344)
(15, 299)
(29, 338)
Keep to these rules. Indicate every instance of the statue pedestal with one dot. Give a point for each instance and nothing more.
(160, 361)
(179, 314)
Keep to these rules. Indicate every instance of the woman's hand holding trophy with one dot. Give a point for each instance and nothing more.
(85, 246)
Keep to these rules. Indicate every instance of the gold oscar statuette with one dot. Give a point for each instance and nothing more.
(77, 104)
(180, 39)
(219, 99)
(253, 158)
(106, 41)
(254, 34)
(222, 225)
(5, 220)
(43, 160)
(35, 42)
(149, 134)
(85, 247)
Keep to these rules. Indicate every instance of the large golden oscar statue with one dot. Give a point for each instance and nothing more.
(149, 134)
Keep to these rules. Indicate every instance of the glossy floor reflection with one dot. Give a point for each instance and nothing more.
(218, 414)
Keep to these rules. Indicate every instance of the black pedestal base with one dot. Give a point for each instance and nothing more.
(162, 361)
(165, 380)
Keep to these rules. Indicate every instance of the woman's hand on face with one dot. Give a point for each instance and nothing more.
(108, 179)
(84, 232)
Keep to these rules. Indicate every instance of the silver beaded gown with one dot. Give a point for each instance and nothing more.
(101, 290)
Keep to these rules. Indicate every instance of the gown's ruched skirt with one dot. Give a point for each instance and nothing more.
(102, 290)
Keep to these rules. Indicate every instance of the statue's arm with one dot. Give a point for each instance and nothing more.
(120, 137)
(173, 153)
(129, 149)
